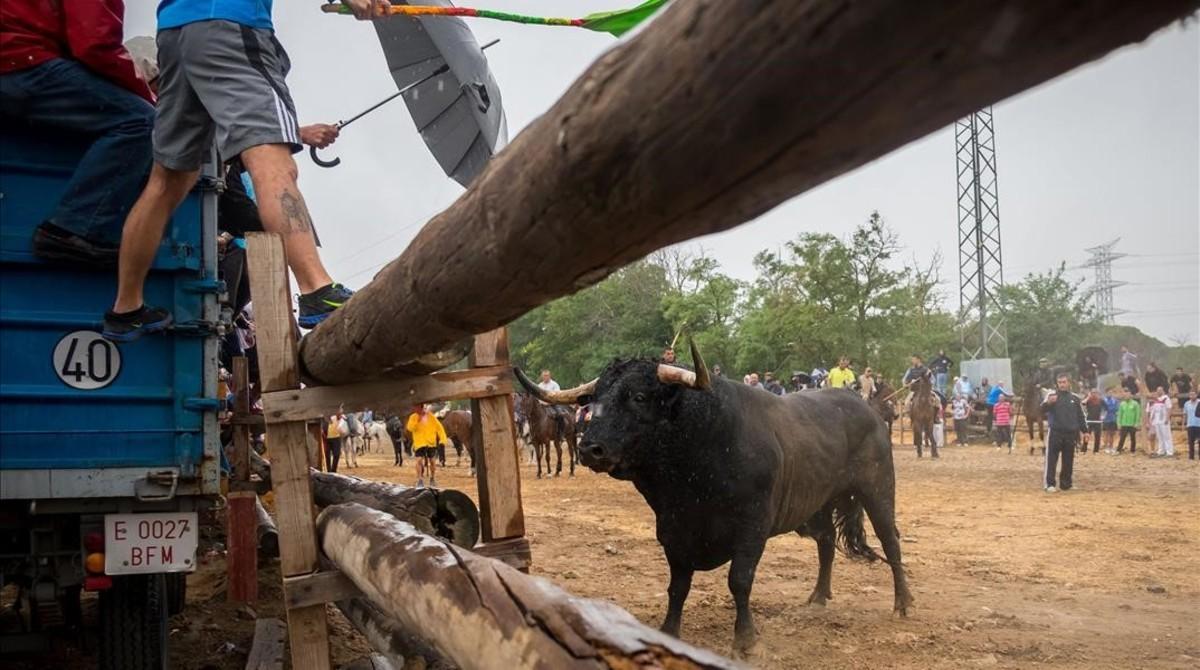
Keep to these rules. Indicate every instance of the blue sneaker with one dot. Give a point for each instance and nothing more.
(129, 326)
(315, 307)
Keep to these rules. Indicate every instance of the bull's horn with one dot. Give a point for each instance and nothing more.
(703, 382)
(564, 397)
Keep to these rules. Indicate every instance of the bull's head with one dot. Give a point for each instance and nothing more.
(634, 404)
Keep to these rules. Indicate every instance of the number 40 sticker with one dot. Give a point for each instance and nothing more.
(85, 360)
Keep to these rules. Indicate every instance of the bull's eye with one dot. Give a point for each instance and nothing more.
(639, 397)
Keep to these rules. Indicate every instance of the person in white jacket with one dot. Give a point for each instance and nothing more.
(1160, 423)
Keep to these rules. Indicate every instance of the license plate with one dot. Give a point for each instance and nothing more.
(148, 543)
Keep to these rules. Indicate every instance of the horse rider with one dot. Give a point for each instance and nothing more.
(559, 412)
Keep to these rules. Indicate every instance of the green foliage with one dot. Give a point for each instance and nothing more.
(1046, 315)
(816, 299)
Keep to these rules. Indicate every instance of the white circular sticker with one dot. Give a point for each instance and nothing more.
(85, 360)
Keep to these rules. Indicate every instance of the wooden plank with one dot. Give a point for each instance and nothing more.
(319, 401)
(816, 90)
(267, 651)
(239, 460)
(307, 627)
(322, 587)
(497, 468)
(514, 551)
(241, 555)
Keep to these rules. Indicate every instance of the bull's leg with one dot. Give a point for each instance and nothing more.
(677, 593)
(881, 509)
(821, 528)
(572, 446)
(741, 581)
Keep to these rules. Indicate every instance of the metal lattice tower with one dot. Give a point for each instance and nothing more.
(980, 272)
(1102, 290)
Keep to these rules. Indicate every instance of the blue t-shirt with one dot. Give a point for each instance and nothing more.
(994, 395)
(249, 13)
(1189, 409)
(1110, 410)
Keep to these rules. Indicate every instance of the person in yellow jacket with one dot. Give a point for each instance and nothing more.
(427, 433)
(842, 376)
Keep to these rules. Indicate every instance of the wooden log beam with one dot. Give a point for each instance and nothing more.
(714, 114)
(499, 617)
(400, 394)
(270, 641)
(241, 541)
(386, 635)
(445, 513)
(268, 533)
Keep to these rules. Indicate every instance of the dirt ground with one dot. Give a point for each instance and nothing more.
(1004, 575)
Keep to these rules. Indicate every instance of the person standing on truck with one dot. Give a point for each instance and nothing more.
(222, 74)
(62, 66)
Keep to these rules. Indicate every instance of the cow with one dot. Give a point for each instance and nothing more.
(724, 467)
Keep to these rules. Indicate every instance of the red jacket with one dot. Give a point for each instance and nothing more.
(89, 31)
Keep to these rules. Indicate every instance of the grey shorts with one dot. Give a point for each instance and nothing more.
(224, 79)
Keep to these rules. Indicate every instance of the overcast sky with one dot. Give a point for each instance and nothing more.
(1109, 150)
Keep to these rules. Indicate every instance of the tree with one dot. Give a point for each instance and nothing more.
(1047, 316)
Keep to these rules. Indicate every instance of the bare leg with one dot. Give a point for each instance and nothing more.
(283, 211)
(143, 231)
(741, 580)
(677, 593)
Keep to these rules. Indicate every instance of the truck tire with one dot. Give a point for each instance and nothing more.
(133, 624)
(176, 592)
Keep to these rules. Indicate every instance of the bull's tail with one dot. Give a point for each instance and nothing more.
(851, 536)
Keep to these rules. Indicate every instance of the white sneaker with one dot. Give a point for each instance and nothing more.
(420, 483)
(1050, 489)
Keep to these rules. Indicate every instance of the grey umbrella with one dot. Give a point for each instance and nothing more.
(458, 113)
(451, 94)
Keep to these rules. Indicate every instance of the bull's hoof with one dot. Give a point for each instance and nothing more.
(743, 645)
(902, 604)
(818, 599)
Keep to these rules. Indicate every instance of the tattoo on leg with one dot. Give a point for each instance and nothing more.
(295, 214)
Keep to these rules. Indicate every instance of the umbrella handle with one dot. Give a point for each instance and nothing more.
(312, 153)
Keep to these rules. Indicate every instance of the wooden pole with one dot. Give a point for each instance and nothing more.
(494, 440)
(307, 626)
(444, 512)
(482, 613)
(239, 460)
(241, 555)
(715, 113)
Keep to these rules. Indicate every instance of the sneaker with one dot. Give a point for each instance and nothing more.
(420, 483)
(52, 243)
(315, 307)
(432, 483)
(129, 326)
(1050, 489)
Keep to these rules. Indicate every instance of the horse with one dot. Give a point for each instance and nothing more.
(922, 411)
(397, 435)
(548, 428)
(458, 428)
(881, 402)
(1031, 407)
(377, 435)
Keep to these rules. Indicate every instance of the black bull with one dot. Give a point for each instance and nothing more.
(725, 467)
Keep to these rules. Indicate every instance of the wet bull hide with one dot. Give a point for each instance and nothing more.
(725, 467)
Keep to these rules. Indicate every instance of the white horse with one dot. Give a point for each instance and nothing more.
(376, 436)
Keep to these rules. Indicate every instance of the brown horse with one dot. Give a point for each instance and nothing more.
(922, 411)
(458, 428)
(547, 428)
(1031, 407)
(881, 401)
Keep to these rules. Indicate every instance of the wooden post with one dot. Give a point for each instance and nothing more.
(307, 626)
(241, 555)
(239, 460)
(498, 468)
(788, 95)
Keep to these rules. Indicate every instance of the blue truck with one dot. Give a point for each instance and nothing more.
(107, 452)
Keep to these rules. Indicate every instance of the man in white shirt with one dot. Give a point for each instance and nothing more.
(1160, 423)
(547, 383)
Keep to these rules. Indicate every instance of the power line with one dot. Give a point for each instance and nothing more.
(1102, 291)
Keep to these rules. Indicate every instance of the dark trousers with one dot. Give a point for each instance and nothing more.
(333, 453)
(990, 416)
(1062, 443)
(960, 431)
(1131, 431)
(1004, 436)
(1193, 442)
(1095, 430)
(64, 94)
